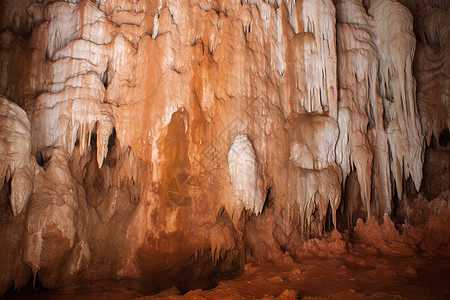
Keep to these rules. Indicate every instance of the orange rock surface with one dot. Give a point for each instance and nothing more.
(152, 143)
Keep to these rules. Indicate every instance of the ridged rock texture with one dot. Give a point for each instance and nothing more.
(146, 142)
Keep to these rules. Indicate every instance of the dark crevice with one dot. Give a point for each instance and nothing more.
(351, 207)
(433, 142)
(93, 141)
(268, 203)
(329, 226)
(39, 158)
(314, 226)
(5, 196)
(29, 291)
(396, 204)
(112, 140)
(444, 138)
(106, 78)
(221, 212)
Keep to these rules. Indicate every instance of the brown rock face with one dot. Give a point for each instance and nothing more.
(154, 143)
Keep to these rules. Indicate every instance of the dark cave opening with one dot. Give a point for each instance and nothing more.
(197, 271)
(32, 290)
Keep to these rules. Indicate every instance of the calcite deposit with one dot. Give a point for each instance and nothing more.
(152, 143)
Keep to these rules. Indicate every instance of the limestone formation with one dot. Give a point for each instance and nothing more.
(245, 175)
(158, 141)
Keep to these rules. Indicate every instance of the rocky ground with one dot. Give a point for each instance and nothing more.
(353, 276)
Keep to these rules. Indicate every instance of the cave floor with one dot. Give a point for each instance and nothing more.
(352, 276)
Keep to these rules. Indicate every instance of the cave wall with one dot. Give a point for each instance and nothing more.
(180, 138)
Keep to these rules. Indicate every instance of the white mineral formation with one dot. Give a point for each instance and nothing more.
(313, 151)
(245, 175)
(55, 212)
(395, 43)
(15, 147)
(314, 191)
(380, 131)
